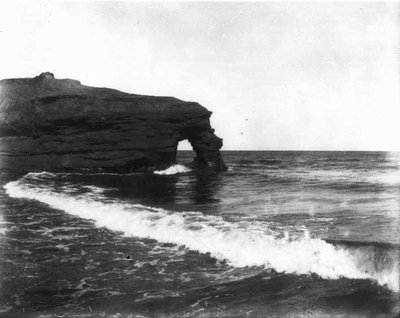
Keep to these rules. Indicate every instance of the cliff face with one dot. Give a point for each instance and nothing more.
(52, 124)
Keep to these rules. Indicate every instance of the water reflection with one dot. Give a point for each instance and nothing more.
(206, 187)
(168, 191)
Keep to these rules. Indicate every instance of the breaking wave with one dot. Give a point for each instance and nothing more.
(240, 244)
(173, 170)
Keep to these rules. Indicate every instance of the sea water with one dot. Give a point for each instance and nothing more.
(278, 234)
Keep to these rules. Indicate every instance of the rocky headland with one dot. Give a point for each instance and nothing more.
(60, 125)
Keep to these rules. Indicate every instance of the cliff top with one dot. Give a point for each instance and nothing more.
(46, 84)
(23, 94)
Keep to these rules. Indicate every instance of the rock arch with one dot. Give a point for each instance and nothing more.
(206, 145)
(59, 124)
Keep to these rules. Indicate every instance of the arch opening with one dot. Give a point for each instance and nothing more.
(185, 153)
(184, 145)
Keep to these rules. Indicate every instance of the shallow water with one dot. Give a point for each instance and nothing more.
(279, 234)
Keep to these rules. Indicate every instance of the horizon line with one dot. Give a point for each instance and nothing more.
(297, 150)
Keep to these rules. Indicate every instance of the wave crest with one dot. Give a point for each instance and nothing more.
(240, 244)
(175, 169)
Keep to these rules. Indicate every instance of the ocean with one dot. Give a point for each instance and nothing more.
(280, 234)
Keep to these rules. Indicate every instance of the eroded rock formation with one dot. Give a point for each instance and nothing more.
(58, 124)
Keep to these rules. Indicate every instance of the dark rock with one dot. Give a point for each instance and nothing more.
(58, 124)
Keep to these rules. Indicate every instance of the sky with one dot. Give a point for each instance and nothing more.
(276, 75)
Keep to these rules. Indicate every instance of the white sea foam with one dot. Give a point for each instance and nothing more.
(240, 244)
(173, 170)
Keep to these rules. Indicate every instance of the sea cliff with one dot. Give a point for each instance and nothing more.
(59, 125)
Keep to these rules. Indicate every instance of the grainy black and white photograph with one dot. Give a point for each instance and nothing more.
(199, 159)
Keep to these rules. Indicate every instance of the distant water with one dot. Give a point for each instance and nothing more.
(279, 234)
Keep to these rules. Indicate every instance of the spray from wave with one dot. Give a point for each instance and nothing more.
(175, 169)
(240, 244)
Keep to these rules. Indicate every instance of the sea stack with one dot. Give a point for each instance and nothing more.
(61, 125)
